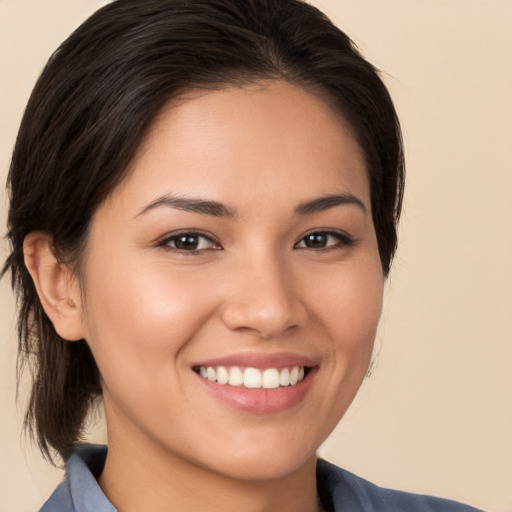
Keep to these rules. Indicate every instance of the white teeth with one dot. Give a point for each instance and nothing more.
(294, 376)
(270, 378)
(222, 375)
(284, 378)
(236, 377)
(253, 378)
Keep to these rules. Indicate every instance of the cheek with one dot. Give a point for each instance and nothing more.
(350, 301)
(136, 320)
(349, 309)
(346, 307)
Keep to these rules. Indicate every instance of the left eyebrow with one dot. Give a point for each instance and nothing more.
(330, 201)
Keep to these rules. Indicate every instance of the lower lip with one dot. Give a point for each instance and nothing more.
(260, 401)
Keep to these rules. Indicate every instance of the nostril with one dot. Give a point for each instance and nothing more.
(265, 319)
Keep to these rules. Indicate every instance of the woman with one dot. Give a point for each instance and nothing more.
(204, 199)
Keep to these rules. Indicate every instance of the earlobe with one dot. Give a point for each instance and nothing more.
(56, 286)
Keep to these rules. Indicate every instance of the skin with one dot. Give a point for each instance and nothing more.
(152, 310)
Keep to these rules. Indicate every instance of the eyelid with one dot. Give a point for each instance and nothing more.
(343, 237)
(167, 238)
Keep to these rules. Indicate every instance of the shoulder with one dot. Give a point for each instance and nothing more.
(60, 500)
(341, 490)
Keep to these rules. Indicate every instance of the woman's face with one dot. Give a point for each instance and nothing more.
(238, 254)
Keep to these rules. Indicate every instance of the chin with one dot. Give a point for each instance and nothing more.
(264, 462)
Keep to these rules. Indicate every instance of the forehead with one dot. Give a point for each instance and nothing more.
(274, 139)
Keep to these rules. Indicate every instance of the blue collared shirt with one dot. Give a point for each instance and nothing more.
(338, 490)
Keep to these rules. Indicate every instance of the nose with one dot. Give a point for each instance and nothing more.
(263, 299)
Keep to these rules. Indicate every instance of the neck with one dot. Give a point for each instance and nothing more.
(143, 478)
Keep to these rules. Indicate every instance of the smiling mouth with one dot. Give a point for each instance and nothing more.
(253, 378)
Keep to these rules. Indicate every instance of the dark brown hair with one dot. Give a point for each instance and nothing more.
(94, 102)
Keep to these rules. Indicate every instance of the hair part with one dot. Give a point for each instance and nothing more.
(95, 101)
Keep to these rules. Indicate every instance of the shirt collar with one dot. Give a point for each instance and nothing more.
(83, 468)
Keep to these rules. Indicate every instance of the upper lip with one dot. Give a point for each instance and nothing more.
(259, 360)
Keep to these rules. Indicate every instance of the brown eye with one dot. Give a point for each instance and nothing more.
(188, 242)
(324, 240)
(316, 240)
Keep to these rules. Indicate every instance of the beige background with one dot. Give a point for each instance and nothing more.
(436, 416)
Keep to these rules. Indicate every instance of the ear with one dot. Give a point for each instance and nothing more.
(57, 288)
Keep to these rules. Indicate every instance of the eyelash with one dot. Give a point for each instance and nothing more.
(343, 240)
(167, 241)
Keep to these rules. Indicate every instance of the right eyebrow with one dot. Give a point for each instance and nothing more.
(201, 206)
